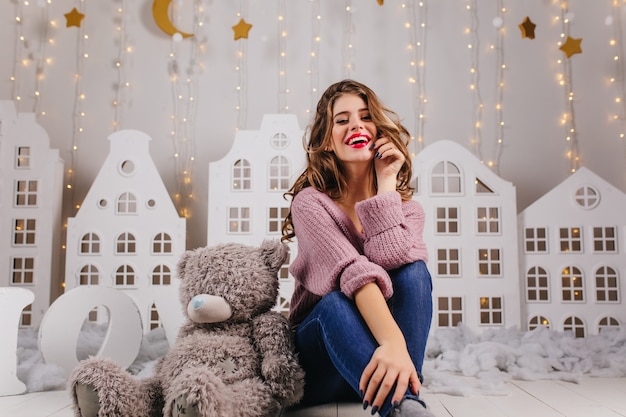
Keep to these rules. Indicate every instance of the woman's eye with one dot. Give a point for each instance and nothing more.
(367, 117)
(341, 121)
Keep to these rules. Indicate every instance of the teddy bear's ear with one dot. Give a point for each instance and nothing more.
(275, 253)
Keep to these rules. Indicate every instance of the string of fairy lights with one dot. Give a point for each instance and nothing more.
(78, 113)
(241, 68)
(476, 140)
(416, 25)
(124, 49)
(568, 119)
(282, 57)
(184, 87)
(348, 52)
(617, 79)
(18, 59)
(314, 71)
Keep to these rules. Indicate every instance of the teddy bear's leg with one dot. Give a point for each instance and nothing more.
(198, 392)
(100, 388)
(201, 393)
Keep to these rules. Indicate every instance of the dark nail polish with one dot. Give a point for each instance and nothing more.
(365, 404)
(374, 409)
(372, 145)
(377, 155)
(395, 404)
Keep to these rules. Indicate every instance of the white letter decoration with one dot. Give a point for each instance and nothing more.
(58, 335)
(12, 302)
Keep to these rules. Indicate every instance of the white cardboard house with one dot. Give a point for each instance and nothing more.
(471, 236)
(246, 187)
(31, 189)
(572, 259)
(127, 233)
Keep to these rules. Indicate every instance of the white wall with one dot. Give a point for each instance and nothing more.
(533, 154)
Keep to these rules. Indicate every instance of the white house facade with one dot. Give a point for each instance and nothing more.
(572, 256)
(471, 235)
(246, 187)
(31, 189)
(127, 233)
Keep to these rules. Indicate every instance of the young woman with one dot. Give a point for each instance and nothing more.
(362, 307)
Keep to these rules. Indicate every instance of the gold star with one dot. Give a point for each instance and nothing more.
(241, 29)
(571, 46)
(528, 28)
(73, 18)
(381, 2)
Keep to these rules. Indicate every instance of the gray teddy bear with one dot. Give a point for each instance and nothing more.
(233, 356)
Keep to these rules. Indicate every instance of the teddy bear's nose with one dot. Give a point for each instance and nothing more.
(207, 308)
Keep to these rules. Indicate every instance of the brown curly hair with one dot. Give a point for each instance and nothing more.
(324, 171)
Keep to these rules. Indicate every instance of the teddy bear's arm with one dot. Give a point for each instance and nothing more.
(279, 367)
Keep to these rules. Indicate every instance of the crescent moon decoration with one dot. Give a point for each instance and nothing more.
(160, 12)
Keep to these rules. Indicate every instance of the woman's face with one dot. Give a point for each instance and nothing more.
(353, 130)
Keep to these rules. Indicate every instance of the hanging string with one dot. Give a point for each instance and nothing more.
(123, 50)
(568, 121)
(417, 47)
(314, 73)
(473, 46)
(498, 22)
(282, 58)
(242, 73)
(41, 59)
(184, 83)
(617, 80)
(18, 60)
(78, 113)
(348, 62)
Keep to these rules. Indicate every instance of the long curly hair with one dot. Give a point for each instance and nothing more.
(324, 170)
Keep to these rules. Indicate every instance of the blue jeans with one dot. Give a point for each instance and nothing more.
(334, 343)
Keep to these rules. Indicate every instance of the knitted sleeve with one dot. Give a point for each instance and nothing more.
(393, 230)
(328, 258)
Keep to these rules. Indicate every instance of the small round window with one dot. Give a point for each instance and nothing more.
(127, 167)
(587, 197)
(280, 141)
(102, 203)
(151, 203)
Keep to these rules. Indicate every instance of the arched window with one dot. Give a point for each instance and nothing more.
(125, 276)
(572, 284)
(608, 322)
(126, 204)
(162, 243)
(537, 321)
(155, 320)
(279, 174)
(575, 325)
(90, 244)
(125, 244)
(446, 179)
(607, 285)
(89, 275)
(537, 285)
(161, 275)
(241, 175)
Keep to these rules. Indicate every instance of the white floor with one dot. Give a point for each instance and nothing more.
(593, 397)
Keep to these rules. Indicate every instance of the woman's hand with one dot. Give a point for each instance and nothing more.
(390, 365)
(387, 162)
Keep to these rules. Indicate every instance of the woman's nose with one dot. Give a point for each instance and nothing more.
(355, 124)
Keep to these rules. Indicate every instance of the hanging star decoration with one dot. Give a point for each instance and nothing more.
(527, 27)
(73, 18)
(571, 46)
(380, 2)
(241, 29)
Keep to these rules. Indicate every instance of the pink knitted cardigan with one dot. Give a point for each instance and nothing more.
(334, 255)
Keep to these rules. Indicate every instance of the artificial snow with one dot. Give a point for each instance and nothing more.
(452, 355)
